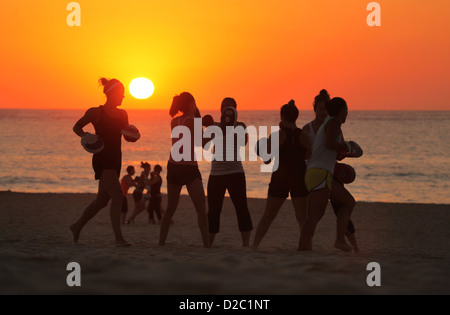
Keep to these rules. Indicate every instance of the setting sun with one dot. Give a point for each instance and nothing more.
(141, 88)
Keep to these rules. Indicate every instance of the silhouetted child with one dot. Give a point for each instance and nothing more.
(154, 205)
(126, 182)
(138, 194)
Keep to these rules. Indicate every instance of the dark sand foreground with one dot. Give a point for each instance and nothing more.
(409, 241)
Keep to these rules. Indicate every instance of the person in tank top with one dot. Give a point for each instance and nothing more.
(288, 179)
(184, 171)
(228, 174)
(312, 128)
(319, 177)
(108, 122)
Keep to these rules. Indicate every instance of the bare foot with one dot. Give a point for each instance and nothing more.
(343, 246)
(75, 234)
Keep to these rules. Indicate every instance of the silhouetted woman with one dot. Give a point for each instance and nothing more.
(108, 122)
(319, 177)
(289, 177)
(312, 128)
(228, 174)
(154, 204)
(182, 170)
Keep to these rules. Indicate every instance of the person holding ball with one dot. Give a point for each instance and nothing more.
(328, 142)
(184, 171)
(109, 123)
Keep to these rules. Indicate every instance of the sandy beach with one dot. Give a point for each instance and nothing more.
(409, 241)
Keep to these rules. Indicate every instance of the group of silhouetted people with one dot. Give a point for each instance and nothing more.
(307, 157)
(148, 180)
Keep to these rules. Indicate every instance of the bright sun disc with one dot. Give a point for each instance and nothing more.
(141, 88)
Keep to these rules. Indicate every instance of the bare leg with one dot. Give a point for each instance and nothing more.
(109, 188)
(197, 194)
(343, 197)
(273, 205)
(91, 210)
(212, 236)
(246, 238)
(113, 188)
(124, 211)
(318, 200)
(353, 241)
(301, 210)
(139, 206)
(173, 197)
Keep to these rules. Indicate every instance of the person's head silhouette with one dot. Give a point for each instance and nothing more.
(337, 107)
(289, 112)
(114, 91)
(319, 105)
(184, 103)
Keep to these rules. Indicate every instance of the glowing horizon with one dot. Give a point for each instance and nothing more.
(261, 53)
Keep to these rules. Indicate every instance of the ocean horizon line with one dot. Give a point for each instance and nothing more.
(241, 110)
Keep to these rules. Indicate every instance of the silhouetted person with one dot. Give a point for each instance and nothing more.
(289, 177)
(319, 177)
(155, 195)
(126, 182)
(184, 172)
(145, 177)
(138, 197)
(312, 128)
(108, 122)
(228, 175)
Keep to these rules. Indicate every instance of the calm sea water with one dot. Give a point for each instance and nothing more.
(407, 154)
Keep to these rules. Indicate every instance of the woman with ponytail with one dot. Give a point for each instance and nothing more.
(329, 140)
(289, 177)
(184, 171)
(108, 122)
(312, 128)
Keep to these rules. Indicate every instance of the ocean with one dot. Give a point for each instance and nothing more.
(406, 153)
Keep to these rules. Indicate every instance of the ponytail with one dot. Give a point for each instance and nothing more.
(181, 103)
(322, 97)
(290, 111)
(109, 85)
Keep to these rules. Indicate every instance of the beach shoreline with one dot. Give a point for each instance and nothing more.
(409, 241)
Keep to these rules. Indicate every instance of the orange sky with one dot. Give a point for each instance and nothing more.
(263, 53)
